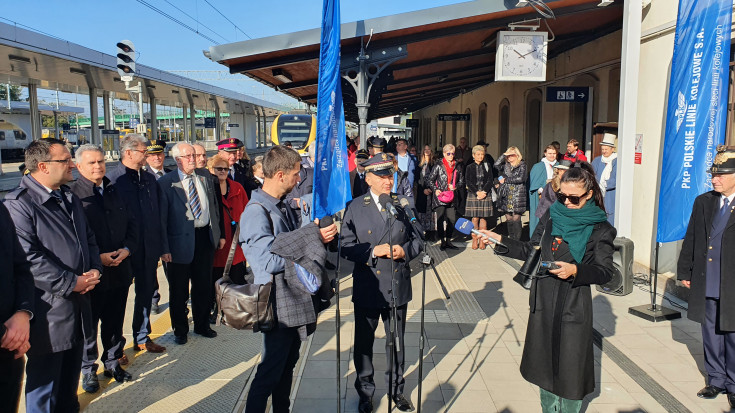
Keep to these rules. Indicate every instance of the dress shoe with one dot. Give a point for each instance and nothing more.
(119, 374)
(90, 383)
(123, 360)
(180, 339)
(710, 392)
(208, 332)
(150, 347)
(731, 399)
(402, 403)
(365, 406)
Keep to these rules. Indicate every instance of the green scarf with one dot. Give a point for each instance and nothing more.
(575, 225)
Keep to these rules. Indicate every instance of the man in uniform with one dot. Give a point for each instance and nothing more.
(154, 157)
(365, 242)
(357, 175)
(229, 149)
(706, 267)
(376, 145)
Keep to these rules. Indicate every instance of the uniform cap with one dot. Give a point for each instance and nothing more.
(155, 146)
(380, 164)
(362, 154)
(724, 160)
(229, 144)
(376, 142)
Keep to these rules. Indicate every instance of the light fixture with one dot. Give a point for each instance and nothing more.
(532, 24)
(282, 75)
(20, 59)
(604, 3)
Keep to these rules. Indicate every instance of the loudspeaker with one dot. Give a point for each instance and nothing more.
(622, 280)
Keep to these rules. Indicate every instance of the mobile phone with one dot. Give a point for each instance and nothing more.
(548, 265)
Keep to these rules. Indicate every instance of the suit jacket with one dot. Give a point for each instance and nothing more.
(142, 197)
(177, 220)
(358, 185)
(60, 246)
(243, 176)
(16, 280)
(692, 265)
(113, 225)
(363, 229)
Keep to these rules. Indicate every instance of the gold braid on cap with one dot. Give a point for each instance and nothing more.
(724, 153)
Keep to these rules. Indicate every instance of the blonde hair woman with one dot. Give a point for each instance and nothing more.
(511, 184)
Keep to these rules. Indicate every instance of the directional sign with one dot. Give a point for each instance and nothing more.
(412, 123)
(233, 125)
(567, 94)
(210, 123)
(454, 117)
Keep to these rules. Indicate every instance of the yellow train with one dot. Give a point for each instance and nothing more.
(299, 130)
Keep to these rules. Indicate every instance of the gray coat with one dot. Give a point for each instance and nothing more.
(60, 246)
(177, 220)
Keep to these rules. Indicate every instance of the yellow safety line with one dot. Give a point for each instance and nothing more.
(158, 328)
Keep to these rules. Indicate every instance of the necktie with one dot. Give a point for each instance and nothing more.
(232, 173)
(98, 192)
(58, 197)
(725, 208)
(159, 173)
(194, 203)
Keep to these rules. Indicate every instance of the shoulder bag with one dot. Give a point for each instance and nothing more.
(448, 196)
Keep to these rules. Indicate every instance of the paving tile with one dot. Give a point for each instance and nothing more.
(506, 390)
(468, 401)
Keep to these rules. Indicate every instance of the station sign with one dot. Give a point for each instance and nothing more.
(462, 117)
(210, 123)
(412, 123)
(567, 94)
(233, 125)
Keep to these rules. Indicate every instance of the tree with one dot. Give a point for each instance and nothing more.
(15, 92)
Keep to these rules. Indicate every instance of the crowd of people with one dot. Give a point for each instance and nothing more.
(80, 244)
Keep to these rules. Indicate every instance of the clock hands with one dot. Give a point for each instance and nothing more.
(523, 56)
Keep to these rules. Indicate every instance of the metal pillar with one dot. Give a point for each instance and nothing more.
(154, 116)
(35, 115)
(218, 124)
(257, 127)
(193, 123)
(185, 124)
(95, 137)
(109, 119)
(265, 129)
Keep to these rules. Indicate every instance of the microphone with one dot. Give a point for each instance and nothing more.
(326, 221)
(465, 226)
(406, 205)
(386, 201)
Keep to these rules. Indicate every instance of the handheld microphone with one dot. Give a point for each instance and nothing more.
(387, 203)
(406, 205)
(326, 221)
(465, 226)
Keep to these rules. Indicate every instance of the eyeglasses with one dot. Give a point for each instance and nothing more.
(66, 161)
(449, 154)
(189, 156)
(220, 169)
(573, 199)
(201, 155)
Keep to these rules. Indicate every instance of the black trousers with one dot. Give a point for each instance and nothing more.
(145, 272)
(11, 380)
(52, 380)
(199, 272)
(275, 371)
(449, 214)
(719, 348)
(366, 321)
(108, 309)
(156, 294)
(237, 275)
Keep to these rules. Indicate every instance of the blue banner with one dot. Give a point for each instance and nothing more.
(697, 110)
(331, 173)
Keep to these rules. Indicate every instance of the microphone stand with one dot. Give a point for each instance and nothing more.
(393, 318)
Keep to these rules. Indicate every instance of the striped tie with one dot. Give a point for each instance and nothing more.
(194, 203)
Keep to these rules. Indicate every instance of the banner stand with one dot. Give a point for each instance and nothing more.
(654, 312)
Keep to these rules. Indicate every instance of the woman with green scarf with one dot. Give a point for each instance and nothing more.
(575, 235)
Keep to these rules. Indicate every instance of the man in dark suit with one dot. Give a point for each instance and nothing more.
(707, 266)
(365, 235)
(117, 235)
(191, 230)
(357, 175)
(16, 311)
(268, 215)
(141, 194)
(65, 263)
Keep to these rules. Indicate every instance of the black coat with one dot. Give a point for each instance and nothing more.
(692, 264)
(114, 228)
(363, 229)
(142, 197)
(424, 203)
(16, 280)
(244, 175)
(558, 354)
(438, 179)
(358, 185)
(473, 185)
(60, 246)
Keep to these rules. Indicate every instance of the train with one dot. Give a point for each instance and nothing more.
(298, 129)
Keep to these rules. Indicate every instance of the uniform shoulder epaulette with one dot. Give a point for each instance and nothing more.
(366, 199)
(15, 193)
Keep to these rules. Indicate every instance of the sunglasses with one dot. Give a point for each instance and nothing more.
(449, 154)
(573, 199)
(220, 169)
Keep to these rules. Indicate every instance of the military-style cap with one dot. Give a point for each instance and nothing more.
(563, 164)
(483, 143)
(376, 142)
(229, 145)
(380, 164)
(155, 146)
(362, 154)
(724, 160)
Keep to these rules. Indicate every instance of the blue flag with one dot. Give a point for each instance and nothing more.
(697, 110)
(331, 173)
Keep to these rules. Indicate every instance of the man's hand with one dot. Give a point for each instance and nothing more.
(327, 233)
(382, 250)
(166, 257)
(87, 281)
(17, 331)
(398, 253)
(22, 350)
(221, 243)
(686, 283)
(120, 256)
(107, 259)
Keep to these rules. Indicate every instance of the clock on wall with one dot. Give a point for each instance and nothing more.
(521, 56)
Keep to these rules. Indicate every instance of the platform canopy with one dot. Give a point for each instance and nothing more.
(450, 49)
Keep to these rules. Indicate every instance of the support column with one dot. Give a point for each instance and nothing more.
(265, 130)
(257, 127)
(185, 123)
(95, 137)
(629, 68)
(193, 123)
(218, 124)
(109, 117)
(154, 118)
(35, 115)
(56, 124)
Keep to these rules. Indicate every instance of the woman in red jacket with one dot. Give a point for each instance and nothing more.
(233, 201)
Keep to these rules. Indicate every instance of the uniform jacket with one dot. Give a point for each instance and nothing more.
(113, 225)
(558, 354)
(243, 175)
(60, 246)
(512, 192)
(363, 229)
(177, 220)
(232, 206)
(142, 196)
(692, 265)
(16, 280)
(438, 179)
(358, 185)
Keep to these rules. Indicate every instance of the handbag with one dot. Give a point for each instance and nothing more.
(248, 306)
(448, 196)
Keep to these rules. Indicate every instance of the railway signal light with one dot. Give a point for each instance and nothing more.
(126, 60)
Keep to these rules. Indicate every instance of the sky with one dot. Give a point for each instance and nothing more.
(164, 44)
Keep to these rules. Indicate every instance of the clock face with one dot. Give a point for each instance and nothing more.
(523, 55)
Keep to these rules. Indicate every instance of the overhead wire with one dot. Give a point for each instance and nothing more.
(226, 18)
(175, 20)
(196, 20)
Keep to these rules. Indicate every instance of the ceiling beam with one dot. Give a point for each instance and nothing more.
(436, 74)
(436, 82)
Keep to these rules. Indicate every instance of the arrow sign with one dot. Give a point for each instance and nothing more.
(567, 94)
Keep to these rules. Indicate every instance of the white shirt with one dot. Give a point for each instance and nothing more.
(729, 200)
(376, 199)
(203, 220)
